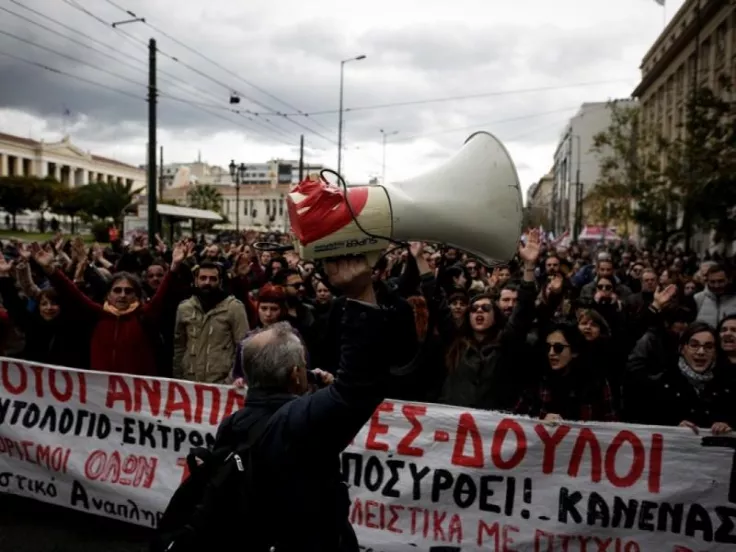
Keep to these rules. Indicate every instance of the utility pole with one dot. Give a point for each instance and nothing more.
(152, 93)
(301, 158)
(161, 175)
(339, 122)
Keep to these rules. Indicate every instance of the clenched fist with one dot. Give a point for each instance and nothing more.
(352, 275)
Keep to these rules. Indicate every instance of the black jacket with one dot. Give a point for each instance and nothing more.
(298, 457)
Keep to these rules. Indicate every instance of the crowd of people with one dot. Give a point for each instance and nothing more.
(585, 333)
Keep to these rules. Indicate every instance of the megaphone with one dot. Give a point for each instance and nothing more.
(473, 202)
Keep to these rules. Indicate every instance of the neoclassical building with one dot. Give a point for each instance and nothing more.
(64, 161)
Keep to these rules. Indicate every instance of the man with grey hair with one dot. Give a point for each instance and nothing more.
(300, 499)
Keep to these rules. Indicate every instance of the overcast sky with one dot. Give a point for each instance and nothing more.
(529, 64)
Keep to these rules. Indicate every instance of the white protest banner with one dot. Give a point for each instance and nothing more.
(423, 477)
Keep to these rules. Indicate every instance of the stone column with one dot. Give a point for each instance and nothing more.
(3, 164)
(57, 172)
(17, 166)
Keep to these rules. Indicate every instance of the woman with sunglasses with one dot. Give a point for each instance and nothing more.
(568, 386)
(482, 362)
(121, 327)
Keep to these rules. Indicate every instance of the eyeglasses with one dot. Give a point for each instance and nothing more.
(604, 287)
(123, 290)
(480, 308)
(557, 347)
(696, 345)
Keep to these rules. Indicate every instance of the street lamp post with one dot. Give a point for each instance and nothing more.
(237, 173)
(578, 222)
(385, 135)
(339, 124)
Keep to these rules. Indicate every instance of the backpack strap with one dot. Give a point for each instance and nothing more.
(242, 457)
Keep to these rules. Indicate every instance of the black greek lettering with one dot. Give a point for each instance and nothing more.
(698, 521)
(568, 506)
(357, 473)
(98, 503)
(134, 513)
(670, 518)
(5, 479)
(598, 511)
(51, 490)
(109, 508)
(31, 416)
(66, 421)
(389, 488)
(104, 427)
(195, 438)
(165, 433)
(442, 480)
(646, 515)
(373, 477)
(725, 531)
(79, 495)
(129, 432)
(82, 415)
(465, 491)
(416, 476)
(149, 517)
(36, 487)
(146, 437)
(20, 482)
(4, 407)
(626, 510)
(18, 407)
(180, 437)
(487, 492)
(49, 420)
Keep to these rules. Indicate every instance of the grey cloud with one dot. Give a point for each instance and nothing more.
(299, 63)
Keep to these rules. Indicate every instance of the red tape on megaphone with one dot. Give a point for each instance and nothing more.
(323, 209)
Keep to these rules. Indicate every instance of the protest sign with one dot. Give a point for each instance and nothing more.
(423, 477)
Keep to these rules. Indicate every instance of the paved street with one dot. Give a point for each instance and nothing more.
(29, 526)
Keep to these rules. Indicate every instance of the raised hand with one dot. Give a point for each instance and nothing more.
(43, 257)
(178, 255)
(5, 267)
(663, 296)
(353, 275)
(529, 251)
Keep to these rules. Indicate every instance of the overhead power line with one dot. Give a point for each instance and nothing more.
(171, 79)
(459, 98)
(267, 123)
(476, 126)
(212, 61)
(116, 90)
(76, 77)
(65, 56)
(230, 89)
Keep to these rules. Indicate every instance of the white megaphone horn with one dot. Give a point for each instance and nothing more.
(473, 202)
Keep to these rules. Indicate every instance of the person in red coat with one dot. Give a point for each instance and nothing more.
(123, 326)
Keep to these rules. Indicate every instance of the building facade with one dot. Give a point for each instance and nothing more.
(576, 167)
(64, 161)
(539, 200)
(261, 202)
(697, 47)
